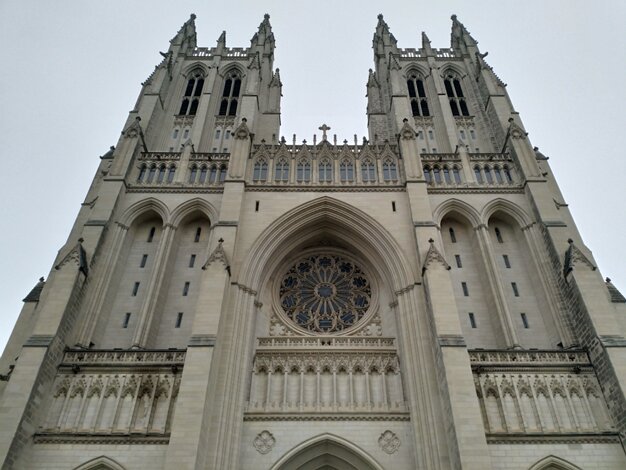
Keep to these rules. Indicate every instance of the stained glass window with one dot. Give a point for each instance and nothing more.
(325, 293)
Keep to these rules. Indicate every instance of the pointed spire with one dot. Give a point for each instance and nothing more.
(185, 39)
(616, 295)
(461, 38)
(33, 295)
(372, 81)
(383, 34)
(276, 79)
(434, 255)
(264, 32)
(426, 44)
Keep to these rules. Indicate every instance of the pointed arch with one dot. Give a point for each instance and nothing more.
(327, 449)
(143, 207)
(100, 463)
(321, 216)
(194, 67)
(456, 205)
(552, 462)
(507, 207)
(189, 207)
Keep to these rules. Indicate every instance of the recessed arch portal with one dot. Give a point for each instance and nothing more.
(316, 219)
(326, 452)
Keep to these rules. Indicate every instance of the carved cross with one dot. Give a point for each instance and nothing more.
(324, 128)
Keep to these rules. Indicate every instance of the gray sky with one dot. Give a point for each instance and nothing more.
(71, 71)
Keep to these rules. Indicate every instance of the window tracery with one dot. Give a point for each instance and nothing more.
(191, 99)
(230, 95)
(325, 293)
(455, 94)
(417, 95)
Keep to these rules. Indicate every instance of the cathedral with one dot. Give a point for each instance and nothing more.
(230, 298)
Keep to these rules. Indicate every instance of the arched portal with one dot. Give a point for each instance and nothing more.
(326, 452)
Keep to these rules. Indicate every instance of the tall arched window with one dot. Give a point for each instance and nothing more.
(213, 174)
(417, 95)
(325, 168)
(455, 95)
(346, 171)
(189, 106)
(478, 174)
(390, 170)
(427, 175)
(161, 174)
(170, 174)
(151, 173)
(203, 172)
(507, 174)
(222, 173)
(496, 170)
(260, 170)
(456, 174)
(437, 175)
(303, 171)
(282, 170)
(368, 171)
(230, 95)
(488, 175)
(192, 174)
(142, 173)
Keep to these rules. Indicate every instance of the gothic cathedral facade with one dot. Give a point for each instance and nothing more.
(231, 299)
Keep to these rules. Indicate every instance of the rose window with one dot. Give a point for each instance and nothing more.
(325, 293)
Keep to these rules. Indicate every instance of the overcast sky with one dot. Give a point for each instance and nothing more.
(71, 71)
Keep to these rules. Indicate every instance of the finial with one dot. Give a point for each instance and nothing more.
(266, 16)
(405, 120)
(380, 16)
(81, 239)
(192, 16)
(453, 17)
(324, 128)
(371, 70)
(244, 120)
(221, 240)
(41, 279)
(431, 241)
(608, 279)
(570, 241)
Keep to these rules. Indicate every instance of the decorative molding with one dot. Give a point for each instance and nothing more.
(427, 223)
(392, 416)
(325, 343)
(95, 223)
(553, 438)
(451, 340)
(39, 341)
(123, 358)
(201, 340)
(434, 255)
(389, 442)
(612, 341)
(264, 442)
(574, 256)
(132, 188)
(227, 223)
(218, 255)
(554, 223)
(100, 438)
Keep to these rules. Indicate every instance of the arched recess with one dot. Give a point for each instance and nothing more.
(182, 274)
(326, 451)
(142, 207)
(518, 267)
(552, 462)
(465, 254)
(315, 219)
(456, 205)
(192, 205)
(508, 207)
(100, 463)
(133, 258)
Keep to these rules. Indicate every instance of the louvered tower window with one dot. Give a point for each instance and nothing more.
(230, 95)
(193, 91)
(455, 94)
(417, 94)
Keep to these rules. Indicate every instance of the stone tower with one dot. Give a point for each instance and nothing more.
(228, 299)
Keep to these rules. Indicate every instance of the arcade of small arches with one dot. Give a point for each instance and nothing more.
(490, 174)
(329, 170)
